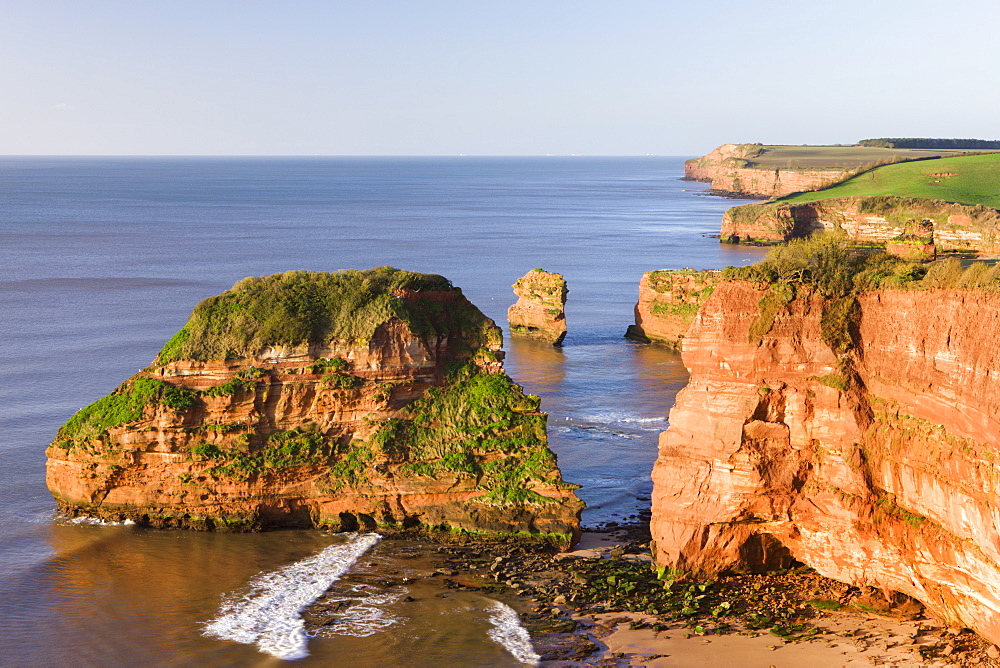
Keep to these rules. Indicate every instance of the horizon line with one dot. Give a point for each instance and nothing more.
(338, 155)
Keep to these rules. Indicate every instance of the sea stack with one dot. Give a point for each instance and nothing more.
(857, 432)
(669, 299)
(355, 399)
(539, 312)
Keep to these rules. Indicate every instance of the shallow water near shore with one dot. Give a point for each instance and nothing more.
(104, 258)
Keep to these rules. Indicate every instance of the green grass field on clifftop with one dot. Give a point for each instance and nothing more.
(973, 179)
(835, 157)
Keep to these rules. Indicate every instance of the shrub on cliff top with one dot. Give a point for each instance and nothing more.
(302, 307)
(830, 263)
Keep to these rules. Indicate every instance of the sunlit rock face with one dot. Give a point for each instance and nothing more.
(539, 312)
(877, 467)
(869, 220)
(350, 400)
(669, 300)
(727, 170)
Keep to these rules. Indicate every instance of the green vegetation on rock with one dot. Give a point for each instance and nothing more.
(480, 425)
(341, 381)
(300, 446)
(321, 365)
(230, 388)
(778, 295)
(303, 307)
(836, 268)
(830, 263)
(125, 404)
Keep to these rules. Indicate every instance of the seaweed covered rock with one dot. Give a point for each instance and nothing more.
(350, 399)
(540, 309)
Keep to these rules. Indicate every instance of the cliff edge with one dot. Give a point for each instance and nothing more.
(730, 169)
(872, 219)
(351, 399)
(856, 430)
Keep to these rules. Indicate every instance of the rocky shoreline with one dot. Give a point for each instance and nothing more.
(605, 604)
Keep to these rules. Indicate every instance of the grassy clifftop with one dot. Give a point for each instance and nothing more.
(835, 157)
(971, 179)
(303, 307)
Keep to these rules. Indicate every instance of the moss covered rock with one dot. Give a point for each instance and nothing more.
(351, 399)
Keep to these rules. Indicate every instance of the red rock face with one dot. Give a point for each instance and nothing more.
(317, 436)
(668, 302)
(539, 312)
(954, 226)
(721, 169)
(877, 468)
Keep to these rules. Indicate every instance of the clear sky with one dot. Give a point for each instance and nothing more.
(497, 77)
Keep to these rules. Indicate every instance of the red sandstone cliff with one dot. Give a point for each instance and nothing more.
(729, 168)
(414, 424)
(865, 220)
(876, 467)
(539, 312)
(668, 301)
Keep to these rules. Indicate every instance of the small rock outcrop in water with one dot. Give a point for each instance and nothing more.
(857, 433)
(669, 299)
(540, 309)
(352, 400)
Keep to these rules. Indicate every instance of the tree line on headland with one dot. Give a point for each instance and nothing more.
(917, 142)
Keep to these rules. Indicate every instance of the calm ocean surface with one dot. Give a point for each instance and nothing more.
(102, 260)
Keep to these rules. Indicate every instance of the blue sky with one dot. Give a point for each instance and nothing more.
(435, 77)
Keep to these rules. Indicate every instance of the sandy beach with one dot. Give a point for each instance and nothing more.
(841, 638)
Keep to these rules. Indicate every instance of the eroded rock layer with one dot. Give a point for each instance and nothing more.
(669, 299)
(539, 312)
(866, 220)
(876, 466)
(355, 399)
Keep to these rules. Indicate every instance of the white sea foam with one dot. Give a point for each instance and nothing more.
(269, 615)
(97, 522)
(509, 634)
(622, 417)
(364, 618)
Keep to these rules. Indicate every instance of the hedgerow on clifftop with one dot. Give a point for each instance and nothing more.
(830, 264)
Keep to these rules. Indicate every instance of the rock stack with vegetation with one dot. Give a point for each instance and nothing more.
(669, 300)
(356, 399)
(540, 309)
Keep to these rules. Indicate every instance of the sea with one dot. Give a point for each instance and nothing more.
(102, 259)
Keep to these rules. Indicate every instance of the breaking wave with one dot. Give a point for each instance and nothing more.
(268, 615)
(509, 634)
